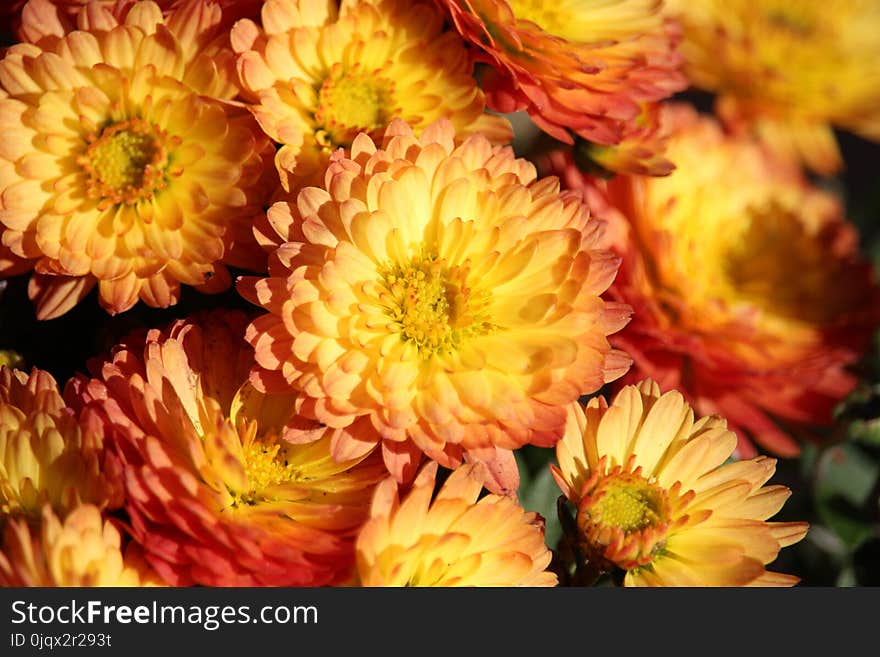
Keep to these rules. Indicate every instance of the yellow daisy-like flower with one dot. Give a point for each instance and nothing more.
(48, 454)
(82, 550)
(454, 539)
(117, 169)
(656, 498)
(789, 70)
(320, 75)
(437, 299)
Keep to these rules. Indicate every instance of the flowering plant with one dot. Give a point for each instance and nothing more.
(438, 293)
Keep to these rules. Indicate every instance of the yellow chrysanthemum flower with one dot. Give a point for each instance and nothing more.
(790, 70)
(437, 299)
(656, 498)
(48, 454)
(320, 75)
(118, 169)
(82, 550)
(454, 539)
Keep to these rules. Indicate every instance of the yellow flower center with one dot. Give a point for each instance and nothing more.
(798, 24)
(265, 467)
(759, 263)
(627, 502)
(126, 163)
(623, 519)
(350, 102)
(432, 305)
(550, 17)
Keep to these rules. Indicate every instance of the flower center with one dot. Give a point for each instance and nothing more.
(265, 467)
(126, 163)
(351, 102)
(627, 502)
(432, 306)
(759, 264)
(797, 24)
(623, 519)
(547, 16)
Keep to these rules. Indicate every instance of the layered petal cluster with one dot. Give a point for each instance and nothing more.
(641, 152)
(48, 453)
(580, 68)
(749, 291)
(788, 71)
(436, 298)
(202, 26)
(118, 168)
(656, 498)
(83, 549)
(319, 74)
(215, 494)
(451, 538)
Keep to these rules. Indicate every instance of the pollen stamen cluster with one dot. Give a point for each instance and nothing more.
(432, 306)
(796, 24)
(773, 243)
(624, 518)
(349, 102)
(539, 13)
(265, 466)
(127, 162)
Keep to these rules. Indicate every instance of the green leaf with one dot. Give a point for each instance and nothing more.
(845, 522)
(846, 471)
(846, 480)
(525, 472)
(847, 578)
(540, 496)
(866, 431)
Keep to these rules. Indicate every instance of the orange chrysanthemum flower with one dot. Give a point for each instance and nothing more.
(454, 539)
(436, 298)
(655, 497)
(83, 550)
(319, 75)
(788, 71)
(579, 69)
(117, 169)
(215, 493)
(49, 454)
(708, 259)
